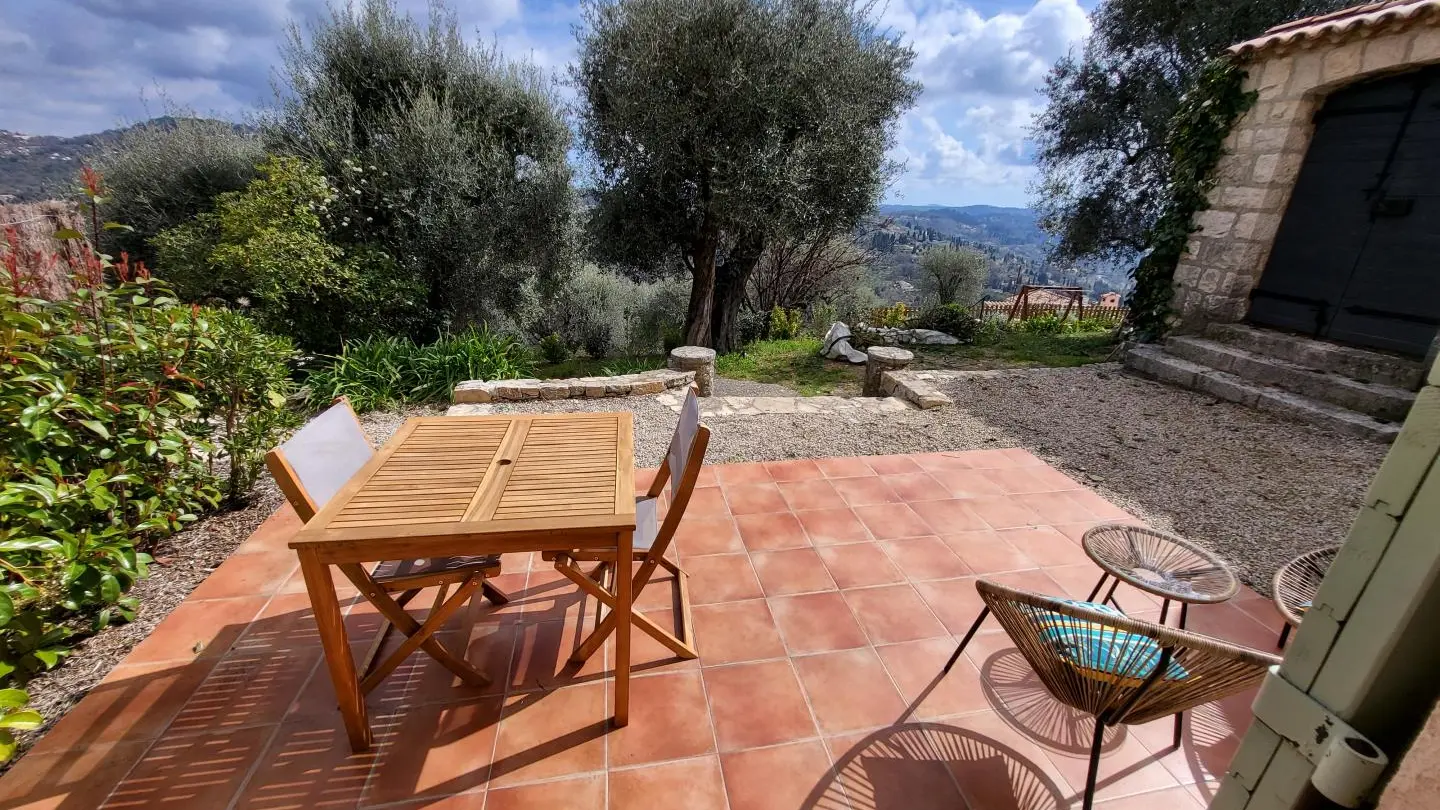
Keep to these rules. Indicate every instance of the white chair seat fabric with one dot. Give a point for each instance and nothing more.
(647, 523)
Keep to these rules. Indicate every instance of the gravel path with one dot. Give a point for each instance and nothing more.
(725, 387)
(1254, 488)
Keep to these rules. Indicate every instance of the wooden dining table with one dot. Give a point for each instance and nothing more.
(471, 485)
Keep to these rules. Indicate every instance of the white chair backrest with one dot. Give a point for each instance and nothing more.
(327, 452)
(684, 440)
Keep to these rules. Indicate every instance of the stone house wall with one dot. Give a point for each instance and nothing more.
(1263, 154)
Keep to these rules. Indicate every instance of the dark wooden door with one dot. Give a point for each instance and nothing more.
(1357, 256)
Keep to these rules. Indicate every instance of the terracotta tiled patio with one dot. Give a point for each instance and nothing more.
(828, 594)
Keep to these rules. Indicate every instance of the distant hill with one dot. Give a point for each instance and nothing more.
(986, 223)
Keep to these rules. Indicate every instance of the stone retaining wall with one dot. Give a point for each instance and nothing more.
(646, 382)
(915, 387)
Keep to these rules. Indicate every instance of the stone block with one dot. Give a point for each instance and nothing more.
(1304, 72)
(648, 387)
(1385, 52)
(1215, 223)
(697, 360)
(1425, 45)
(1341, 62)
(594, 391)
(1227, 388)
(1241, 197)
(554, 390)
(473, 391)
(1257, 226)
(1274, 76)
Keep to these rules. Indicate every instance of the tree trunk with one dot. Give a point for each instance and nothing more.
(730, 284)
(702, 289)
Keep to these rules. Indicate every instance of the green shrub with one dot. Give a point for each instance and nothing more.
(1090, 325)
(897, 315)
(267, 248)
(952, 319)
(379, 372)
(553, 348)
(785, 324)
(1046, 323)
(15, 717)
(658, 321)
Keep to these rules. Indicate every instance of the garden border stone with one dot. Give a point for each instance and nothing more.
(624, 385)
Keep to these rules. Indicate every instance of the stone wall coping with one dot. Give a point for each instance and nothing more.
(1340, 26)
(624, 385)
(914, 387)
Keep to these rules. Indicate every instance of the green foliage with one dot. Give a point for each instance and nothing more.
(785, 324)
(605, 313)
(15, 717)
(719, 125)
(631, 365)
(952, 319)
(1083, 326)
(164, 172)
(1195, 144)
(267, 248)
(103, 399)
(1101, 139)
(553, 348)
(953, 275)
(796, 364)
(446, 154)
(1045, 323)
(380, 372)
(896, 315)
(244, 404)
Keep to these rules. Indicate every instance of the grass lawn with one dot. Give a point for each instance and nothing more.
(1019, 350)
(795, 364)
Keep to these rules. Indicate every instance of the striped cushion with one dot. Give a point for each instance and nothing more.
(1101, 652)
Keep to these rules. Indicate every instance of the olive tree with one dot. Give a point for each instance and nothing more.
(716, 126)
(953, 275)
(1104, 166)
(449, 157)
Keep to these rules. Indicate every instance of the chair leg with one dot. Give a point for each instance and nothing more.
(496, 596)
(984, 614)
(1179, 729)
(1094, 764)
(1164, 611)
(1110, 595)
(1284, 635)
(1096, 590)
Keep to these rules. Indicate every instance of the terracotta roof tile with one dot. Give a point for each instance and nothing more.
(1357, 20)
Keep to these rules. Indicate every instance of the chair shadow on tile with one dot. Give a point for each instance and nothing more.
(1022, 701)
(918, 766)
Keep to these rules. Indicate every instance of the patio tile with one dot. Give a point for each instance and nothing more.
(892, 465)
(843, 467)
(1171, 799)
(757, 704)
(133, 702)
(988, 459)
(864, 491)
(924, 558)
(964, 483)
(955, 602)
(244, 691)
(274, 533)
(308, 765)
(830, 526)
(707, 502)
(750, 473)
(197, 630)
(1126, 767)
(917, 667)
(800, 469)
(1004, 513)
(669, 719)
(814, 493)
(579, 793)
(934, 462)
(893, 768)
(995, 765)
(858, 565)
(817, 622)
(1045, 546)
(192, 772)
(1035, 580)
(892, 613)
(772, 532)
(647, 655)
(540, 655)
(916, 487)
(889, 521)
(697, 536)
(1055, 507)
(796, 570)
(986, 552)
(1100, 508)
(244, 575)
(948, 516)
(694, 784)
(433, 750)
(736, 631)
(750, 776)
(51, 778)
(1018, 480)
(849, 690)
(722, 578)
(754, 499)
(1211, 736)
(548, 734)
(474, 800)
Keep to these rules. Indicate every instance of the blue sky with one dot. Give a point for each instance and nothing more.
(69, 67)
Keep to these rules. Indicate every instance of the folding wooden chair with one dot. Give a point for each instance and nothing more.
(310, 468)
(681, 468)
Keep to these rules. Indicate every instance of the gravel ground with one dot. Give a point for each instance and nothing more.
(745, 388)
(1254, 488)
(182, 562)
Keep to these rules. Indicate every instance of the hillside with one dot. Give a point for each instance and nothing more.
(39, 167)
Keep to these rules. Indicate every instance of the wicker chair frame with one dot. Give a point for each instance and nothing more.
(1158, 562)
(1135, 687)
(1297, 582)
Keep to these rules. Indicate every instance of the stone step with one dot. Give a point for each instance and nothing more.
(1152, 361)
(1384, 402)
(1318, 355)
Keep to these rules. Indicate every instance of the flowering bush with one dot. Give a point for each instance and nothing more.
(106, 401)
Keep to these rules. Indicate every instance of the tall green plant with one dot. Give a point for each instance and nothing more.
(381, 372)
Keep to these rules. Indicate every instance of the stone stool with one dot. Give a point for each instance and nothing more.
(880, 359)
(699, 360)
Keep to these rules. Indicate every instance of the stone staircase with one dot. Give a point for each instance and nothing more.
(1351, 390)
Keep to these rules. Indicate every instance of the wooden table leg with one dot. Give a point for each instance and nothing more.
(623, 597)
(337, 649)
